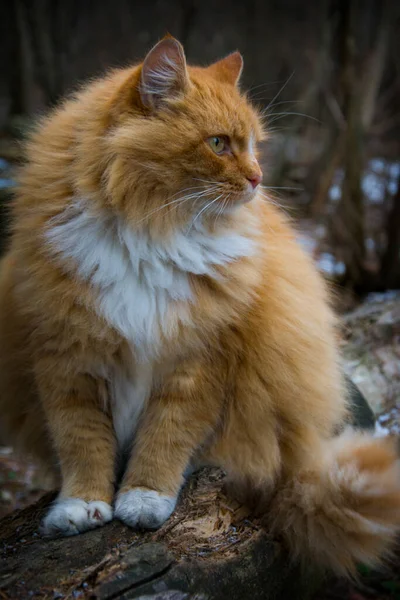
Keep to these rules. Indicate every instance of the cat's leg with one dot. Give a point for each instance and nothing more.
(176, 423)
(248, 445)
(83, 437)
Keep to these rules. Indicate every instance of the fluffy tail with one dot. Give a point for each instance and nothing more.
(345, 509)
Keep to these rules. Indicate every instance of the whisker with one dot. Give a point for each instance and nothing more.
(269, 187)
(279, 202)
(174, 202)
(221, 208)
(274, 130)
(278, 116)
(196, 187)
(278, 103)
(209, 181)
(198, 194)
(152, 212)
(269, 199)
(194, 196)
(263, 85)
(280, 91)
(202, 210)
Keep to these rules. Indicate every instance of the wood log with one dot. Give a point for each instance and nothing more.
(210, 548)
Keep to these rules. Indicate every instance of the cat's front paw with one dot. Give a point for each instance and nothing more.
(144, 508)
(70, 516)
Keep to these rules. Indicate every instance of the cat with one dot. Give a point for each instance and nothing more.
(156, 311)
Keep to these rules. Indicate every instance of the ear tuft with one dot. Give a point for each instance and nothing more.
(229, 69)
(164, 74)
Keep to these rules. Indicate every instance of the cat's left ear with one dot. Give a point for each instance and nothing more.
(164, 74)
(229, 69)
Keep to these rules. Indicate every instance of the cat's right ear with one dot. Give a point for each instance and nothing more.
(164, 74)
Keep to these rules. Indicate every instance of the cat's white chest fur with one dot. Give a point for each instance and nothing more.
(142, 285)
(129, 393)
(139, 280)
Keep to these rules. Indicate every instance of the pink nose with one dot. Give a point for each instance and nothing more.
(255, 180)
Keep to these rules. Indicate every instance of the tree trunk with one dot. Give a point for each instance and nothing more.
(348, 229)
(48, 24)
(390, 266)
(321, 175)
(375, 65)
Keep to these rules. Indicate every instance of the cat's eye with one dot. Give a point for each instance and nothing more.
(219, 144)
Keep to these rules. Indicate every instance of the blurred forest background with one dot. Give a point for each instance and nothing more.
(327, 76)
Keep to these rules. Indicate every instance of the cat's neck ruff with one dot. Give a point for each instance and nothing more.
(139, 280)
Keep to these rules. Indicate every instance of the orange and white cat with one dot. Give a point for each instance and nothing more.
(156, 309)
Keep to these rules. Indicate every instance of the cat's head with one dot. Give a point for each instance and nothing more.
(185, 139)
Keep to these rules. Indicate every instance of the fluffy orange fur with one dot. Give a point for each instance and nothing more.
(241, 359)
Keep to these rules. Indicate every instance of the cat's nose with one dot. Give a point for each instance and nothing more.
(255, 179)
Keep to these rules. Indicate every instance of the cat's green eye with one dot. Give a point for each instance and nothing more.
(218, 144)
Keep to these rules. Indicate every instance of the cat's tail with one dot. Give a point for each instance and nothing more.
(345, 509)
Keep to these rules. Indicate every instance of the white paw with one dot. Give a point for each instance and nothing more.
(70, 516)
(144, 508)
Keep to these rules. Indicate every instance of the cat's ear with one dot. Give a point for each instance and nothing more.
(164, 74)
(229, 69)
